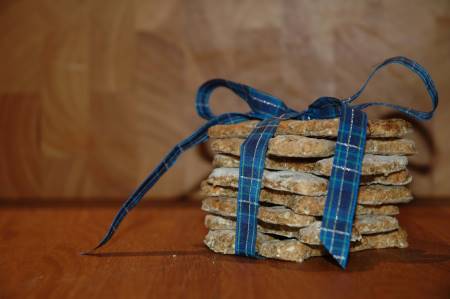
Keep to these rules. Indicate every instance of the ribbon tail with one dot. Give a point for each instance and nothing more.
(251, 170)
(343, 187)
(197, 137)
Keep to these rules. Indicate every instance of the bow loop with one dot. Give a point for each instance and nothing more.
(417, 69)
(262, 105)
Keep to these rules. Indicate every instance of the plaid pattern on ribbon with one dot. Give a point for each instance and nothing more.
(343, 187)
(251, 168)
(344, 181)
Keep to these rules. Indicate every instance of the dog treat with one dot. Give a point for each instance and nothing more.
(389, 210)
(399, 178)
(372, 164)
(275, 215)
(306, 147)
(374, 224)
(385, 170)
(363, 225)
(222, 241)
(314, 128)
(311, 234)
(313, 205)
(397, 238)
(288, 250)
(308, 184)
(292, 181)
(378, 195)
(308, 235)
(214, 222)
(282, 146)
(297, 146)
(294, 250)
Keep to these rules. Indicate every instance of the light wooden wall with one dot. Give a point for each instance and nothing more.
(94, 93)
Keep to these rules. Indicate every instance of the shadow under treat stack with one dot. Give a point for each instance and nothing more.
(297, 168)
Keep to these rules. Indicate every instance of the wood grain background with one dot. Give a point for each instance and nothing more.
(94, 93)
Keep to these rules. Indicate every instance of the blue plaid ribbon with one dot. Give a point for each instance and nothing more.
(345, 177)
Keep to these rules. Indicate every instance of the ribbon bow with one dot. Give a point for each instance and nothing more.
(344, 181)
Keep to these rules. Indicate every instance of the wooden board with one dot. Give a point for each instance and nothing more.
(94, 93)
(158, 253)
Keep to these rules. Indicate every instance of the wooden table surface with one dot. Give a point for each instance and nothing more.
(158, 253)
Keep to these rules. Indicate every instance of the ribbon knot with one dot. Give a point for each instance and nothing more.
(342, 194)
(324, 107)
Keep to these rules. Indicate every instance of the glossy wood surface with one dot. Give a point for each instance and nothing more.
(94, 93)
(158, 253)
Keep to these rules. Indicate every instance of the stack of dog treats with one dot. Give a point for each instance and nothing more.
(297, 168)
